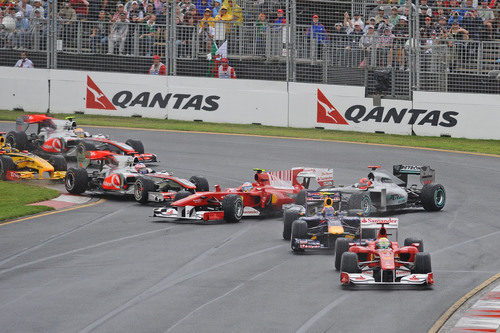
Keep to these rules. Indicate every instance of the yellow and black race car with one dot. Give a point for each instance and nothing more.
(15, 164)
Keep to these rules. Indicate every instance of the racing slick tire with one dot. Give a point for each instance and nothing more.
(232, 204)
(136, 144)
(301, 198)
(408, 242)
(58, 162)
(181, 195)
(6, 164)
(142, 187)
(18, 140)
(201, 183)
(362, 201)
(341, 247)
(76, 180)
(411, 240)
(433, 197)
(289, 216)
(422, 263)
(349, 263)
(299, 230)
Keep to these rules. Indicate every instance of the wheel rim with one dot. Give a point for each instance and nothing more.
(439, 198)
(138, 191)
(239, 209)
(365, 206)
(70, 181)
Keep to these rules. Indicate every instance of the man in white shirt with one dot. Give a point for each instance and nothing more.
(24, 62)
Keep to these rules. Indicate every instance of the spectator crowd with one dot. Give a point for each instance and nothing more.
(139, 27)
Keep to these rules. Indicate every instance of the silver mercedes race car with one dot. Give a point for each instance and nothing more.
(381, 191)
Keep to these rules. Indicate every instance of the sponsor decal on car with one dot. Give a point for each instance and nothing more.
(328, 114)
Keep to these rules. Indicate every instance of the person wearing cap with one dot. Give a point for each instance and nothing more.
(385, 47)
(401, 32)
(38, 31)
(318, 33)
(206, 29)
(119, 10)
(17, 37)
(135, 14)
(370, 23)
(119, 33)
(216, 8)
(157, 68)
(202, 6)
(394, 17)
(280, 18)
(37, 5)
(225, 18)
(368, 40)
(426, 28)
(349, 23)
(225, 71)
(24, 62)
(380, 14)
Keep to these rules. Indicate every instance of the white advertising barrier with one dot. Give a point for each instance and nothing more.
(476, 116)
(24, 88)
(181, 98)
(346, 108)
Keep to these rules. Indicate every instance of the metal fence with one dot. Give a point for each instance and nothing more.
(390, 49)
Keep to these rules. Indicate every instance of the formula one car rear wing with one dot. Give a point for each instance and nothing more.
(383, 224)
(298, 176)
(426, 173)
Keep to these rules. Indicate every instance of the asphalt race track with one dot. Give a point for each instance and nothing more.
(112, 268)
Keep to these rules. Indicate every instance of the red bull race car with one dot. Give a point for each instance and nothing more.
(321, 221)
(381, 261)
(264, 197)
(58, 136)
(15, 164)
(104, 172)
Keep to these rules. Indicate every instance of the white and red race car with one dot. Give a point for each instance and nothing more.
(104, 172)
(58, 136)
(381, 261)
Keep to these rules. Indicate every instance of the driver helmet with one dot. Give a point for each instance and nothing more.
(246, 187)
(141, 168)
(383, 243)
(364, 183)
(79, 132)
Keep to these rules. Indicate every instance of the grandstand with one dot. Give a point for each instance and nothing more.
(390, 47)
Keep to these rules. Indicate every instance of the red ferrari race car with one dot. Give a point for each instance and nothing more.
(381, 261)
(104, 172)
(265, 196)
(57, 136)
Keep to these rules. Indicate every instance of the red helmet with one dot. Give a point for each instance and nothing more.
(364, 183)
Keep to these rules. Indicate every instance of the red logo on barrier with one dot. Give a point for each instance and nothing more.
(96, 98)
(332, 116)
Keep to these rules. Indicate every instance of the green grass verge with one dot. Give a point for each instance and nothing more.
(458, 144)
(15, 196)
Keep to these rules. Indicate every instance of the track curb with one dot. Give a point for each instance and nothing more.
(444, 318)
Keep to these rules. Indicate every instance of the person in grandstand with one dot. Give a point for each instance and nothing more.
(24, 62)
(37, 5)
(148, 34)
(157, 68)
(225, 71)
(401, 33)
(99, 35)
(318, 33)
(119, 33)
(487, 16)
